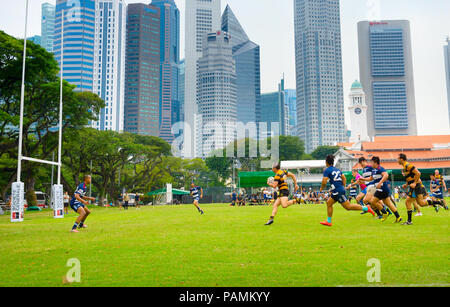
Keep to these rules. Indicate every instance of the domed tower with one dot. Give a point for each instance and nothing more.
(358, 114)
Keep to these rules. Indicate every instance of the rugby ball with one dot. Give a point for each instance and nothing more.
(270, 180)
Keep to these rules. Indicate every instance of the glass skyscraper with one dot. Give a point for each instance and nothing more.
(318, 55)
(79, 35)
(169, 112)
(248, 77)
(109, 62)
(386, 74)
(142, 78)
(48, 26)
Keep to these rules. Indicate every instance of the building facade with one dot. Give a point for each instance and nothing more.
(79, 36)
(48, 26)
(358, 114)
(109, 62)
(248, 77)
(202, 17)
(290, 101)
(170, 61)
(217, 93)
(36, 39)
(447, 70)
(318, 53)
(142, 73)
(386, 74)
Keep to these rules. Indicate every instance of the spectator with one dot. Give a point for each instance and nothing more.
(233, 198)
(66, 202)
(137, 201)
(126, 200)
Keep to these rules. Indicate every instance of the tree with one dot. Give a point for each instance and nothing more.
(322, 152)
(41, 107)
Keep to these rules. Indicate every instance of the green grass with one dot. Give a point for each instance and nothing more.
(175, 246)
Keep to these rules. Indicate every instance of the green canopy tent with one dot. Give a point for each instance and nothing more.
(254, 179)
(160, 196)
(164, 191)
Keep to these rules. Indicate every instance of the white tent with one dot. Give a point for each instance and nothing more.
(306, 164)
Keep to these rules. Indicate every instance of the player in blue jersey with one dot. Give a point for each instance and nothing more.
(79, 203)
(338, 182)
(383, 192)
(436, 191)
(197, 194)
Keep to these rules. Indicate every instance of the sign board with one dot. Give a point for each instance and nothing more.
(17, 201)
(58, 201)
(169, 197)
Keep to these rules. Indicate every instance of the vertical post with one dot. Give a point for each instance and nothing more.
(61, 99)
(57, 189)
(90, 184)
(22, 97)
(18, 188)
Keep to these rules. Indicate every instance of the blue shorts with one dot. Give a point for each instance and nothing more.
(364, 191)
(75, 206)
(339, 196)
(196, 199)
(438, 196)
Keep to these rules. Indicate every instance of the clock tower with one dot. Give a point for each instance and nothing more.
(358, 114)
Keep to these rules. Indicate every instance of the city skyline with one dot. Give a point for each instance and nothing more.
(429, 26)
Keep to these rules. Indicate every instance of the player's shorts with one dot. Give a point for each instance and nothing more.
(339, 196)
(353, 195)
(382, 194)
(66, 204)
(76, 205)
(283, 193)
(196, 198)
(418, 190)
(438, 196)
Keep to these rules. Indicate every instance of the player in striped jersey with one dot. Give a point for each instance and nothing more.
(197, 194)
(416, 189)
(283, 190)
(436, 191)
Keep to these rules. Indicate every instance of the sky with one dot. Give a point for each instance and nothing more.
(270, 23)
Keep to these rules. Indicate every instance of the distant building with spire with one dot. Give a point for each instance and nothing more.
(358, 114)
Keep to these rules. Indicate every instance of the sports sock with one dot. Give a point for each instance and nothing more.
(272, 217)
(377, 211)
(75, 226)
(410, 212)
(362, 203)
(81, 224)
(383, 211)
(396, 214)
(329, 220)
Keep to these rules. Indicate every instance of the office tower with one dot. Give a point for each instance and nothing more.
(109, 62)
(202, 17)
(142, 73)
(447, 70)
(386, 74)
(358, 114)
(48, 26)
(290, 101)
(79, 35)
(318, 57)
(274, 110)
(217, 92)
(170, 60)
(181, 82)
(36, 39)
(248, 78)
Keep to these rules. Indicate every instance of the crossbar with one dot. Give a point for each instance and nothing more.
(40, 161)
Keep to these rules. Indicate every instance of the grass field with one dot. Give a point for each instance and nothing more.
(175, 246)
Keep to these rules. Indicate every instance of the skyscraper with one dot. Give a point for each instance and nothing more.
(170, 60)
(109, 62)
(386, 73)
(48, 26)
(142, 76)
(290, 101)
(248, 78)
(202, 17)
(217, 92)
(79, 35)
(447, 70)
(318, 56)
(36, 39)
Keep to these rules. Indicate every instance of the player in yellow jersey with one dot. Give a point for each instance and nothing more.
(283, 190)
(415, 189)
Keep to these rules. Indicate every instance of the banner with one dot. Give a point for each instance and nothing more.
(17, 201)
(58, 201)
